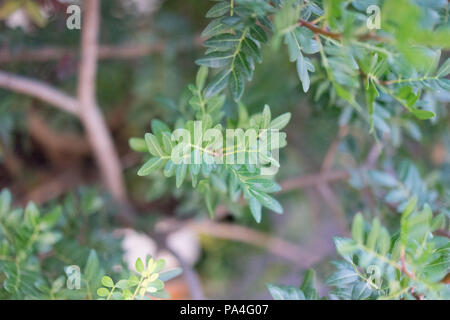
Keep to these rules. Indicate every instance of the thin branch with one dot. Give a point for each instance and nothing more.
(39, 90)
(61, 147)
(55, 53)
(333, 203)
(90, 115)
(127, 51)
(331, 153)
(313, 180)
(318, 30)
(442, 233)
(282, 248)
(337, 36)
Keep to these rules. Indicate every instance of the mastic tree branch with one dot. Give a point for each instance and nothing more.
(126, 51)
(90, 115)
(337, 36)
(39, 90)
(302, 257)
(85, 107)
(130, 51)
(318, 30)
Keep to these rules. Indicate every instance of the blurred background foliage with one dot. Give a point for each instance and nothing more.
(43, 153)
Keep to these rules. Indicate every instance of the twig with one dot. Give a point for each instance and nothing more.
(53, 187)
(90, 115)
(61, 147)
(329, 157)
(318, 30)
(333, 203)
(39, 90)
(442, 233)
(12, 162)
(56, 53)
(313, 179)
(282, 248)
(403, 265)
(127, 51)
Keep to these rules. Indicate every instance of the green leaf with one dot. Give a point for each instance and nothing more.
(107, 282)
(236, 84)
(181, 174)
(200, 80)
(285, 292)
(218, 10)
(384, 242)
(302, 70)
(444, 70)
(308, 286)
(251, 49)
(161, 294)
(266, 116)
(215, 27)
(139, 265)
(133, 281)
(159, 265)
(242, 64)
(280, 122)
(373, 234)
(423, 114)
(267, 201)
(255, 209)
(361, 291)
(218, 83)
(153, 145)
(170, 274)
(138, 144)
(51, 218)
(258, 33)
(158, 128)
(155, 286)
(123, 284)
(102, 292)
(358, 228)
(215, 59)
(383, 179)
(5, 202)
(222, 41)
(32, 215)
(169, 169)
(150, 166)
(92, 268)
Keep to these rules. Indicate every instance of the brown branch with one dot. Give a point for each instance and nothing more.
(333, 203)
(61, 147)
(53, 186)
(331, 153)
(104, 52)
(403, 267)
(442, 233)
(282, 248)
(313, 179)
(39, 90)
(90, 115)
(318, 30)
(11, 161)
